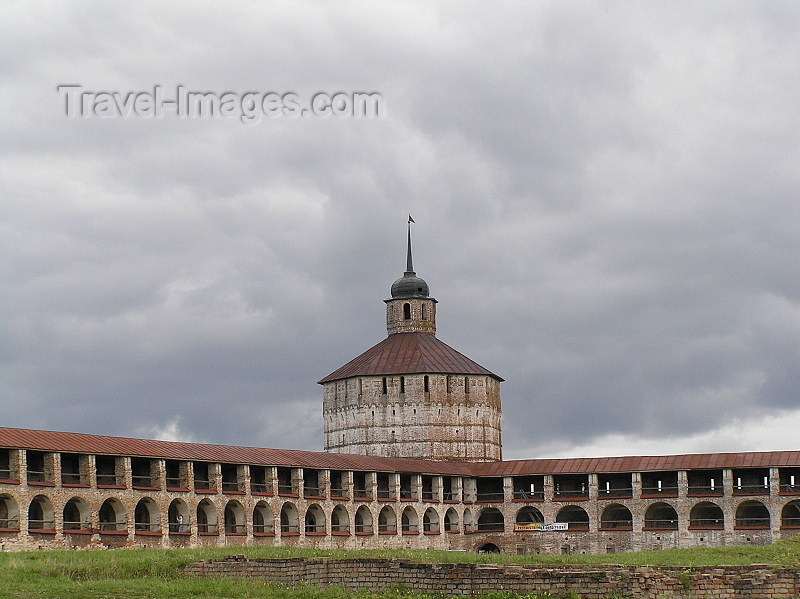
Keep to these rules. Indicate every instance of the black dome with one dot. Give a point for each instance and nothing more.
(409, 285)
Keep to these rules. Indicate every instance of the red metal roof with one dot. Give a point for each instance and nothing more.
(702, 461)
(95, 444)
(82, 443)
(409, 353)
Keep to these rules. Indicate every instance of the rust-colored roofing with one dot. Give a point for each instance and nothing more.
(409, 353)
(700, 461)
(94, 444)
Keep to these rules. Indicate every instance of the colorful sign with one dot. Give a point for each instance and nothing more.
(540, 526)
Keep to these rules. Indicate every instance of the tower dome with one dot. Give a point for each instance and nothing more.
(409, 285)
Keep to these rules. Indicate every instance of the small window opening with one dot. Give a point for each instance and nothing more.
(424, 313)
(407, 311)
(426, 384)
(402, 384)
(384, 386)
(447, 379)
(415, 410)
(466, 385)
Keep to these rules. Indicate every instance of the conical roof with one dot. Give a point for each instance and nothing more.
(409, 353)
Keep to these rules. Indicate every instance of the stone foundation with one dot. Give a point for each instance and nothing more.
(466, 580)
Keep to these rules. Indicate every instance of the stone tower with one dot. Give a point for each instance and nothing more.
(411, 395)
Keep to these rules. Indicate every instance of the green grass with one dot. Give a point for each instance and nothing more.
(156, 573)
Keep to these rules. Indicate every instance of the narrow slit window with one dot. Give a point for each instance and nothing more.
(426, 384)
(424, 312)
(407, 311)
(402, 384)
(384, 386)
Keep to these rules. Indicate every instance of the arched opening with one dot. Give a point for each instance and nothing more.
(574, 516)
(207, 518)
(424, 312)
(451, 520)
(340, 521)
(387, 521)
(178, 517)
(528, 518)
(790, 515)
(706, 516)
(616, 517)
(407, 311)
(112, 516)
(290, 519)
(409, 521)
(145, 516)
(40, 514)
(491, 519)
(469, 521)
(76, 515)
(9, 513)
(315, 520)
(363, 520)
(430, 521)
(751, 515)
(263, 520)
(488, 548)
(234, 519)
(661, 516)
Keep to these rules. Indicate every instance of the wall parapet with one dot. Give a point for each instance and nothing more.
(466, 580)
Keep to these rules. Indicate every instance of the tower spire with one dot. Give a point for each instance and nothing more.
(409, 261)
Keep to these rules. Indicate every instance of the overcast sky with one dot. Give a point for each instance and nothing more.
(606, 197)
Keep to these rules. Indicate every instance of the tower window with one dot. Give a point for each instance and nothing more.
(424, 312)
(402, 384)
(466, 385)
(447, 379)
(407, 311)
(384, 386)
(425, 383)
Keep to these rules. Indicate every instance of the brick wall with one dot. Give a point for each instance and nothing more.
(464, 580)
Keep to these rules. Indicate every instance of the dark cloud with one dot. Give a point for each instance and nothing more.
(605, 197)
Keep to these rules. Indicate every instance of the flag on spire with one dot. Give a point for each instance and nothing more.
(410, 220)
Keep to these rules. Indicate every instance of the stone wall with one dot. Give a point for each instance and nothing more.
(465, 580)
(444, 423)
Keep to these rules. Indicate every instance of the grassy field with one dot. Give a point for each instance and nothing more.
(154, 573)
